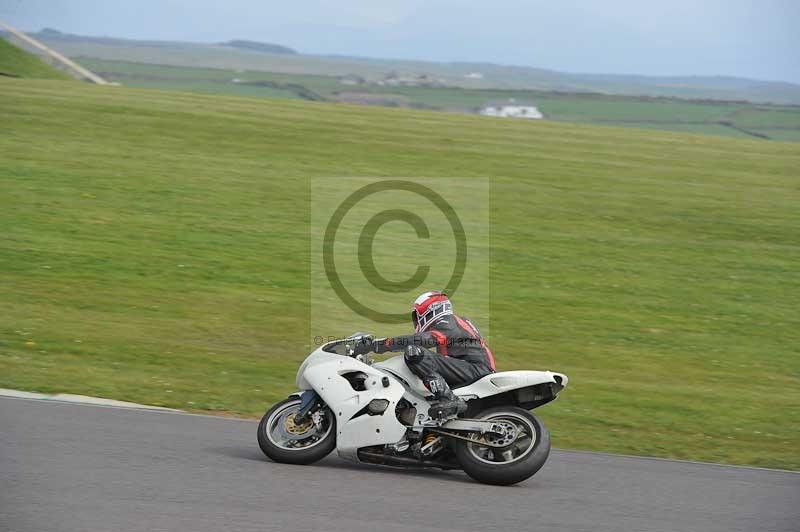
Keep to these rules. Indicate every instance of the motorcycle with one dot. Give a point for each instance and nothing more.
(377, 413)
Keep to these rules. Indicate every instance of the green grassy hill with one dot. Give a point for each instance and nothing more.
(155, 248)
(19, 63)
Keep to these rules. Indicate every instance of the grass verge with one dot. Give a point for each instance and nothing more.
(16, 62)
(154, 248)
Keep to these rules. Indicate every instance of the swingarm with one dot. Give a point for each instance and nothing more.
(484, 433)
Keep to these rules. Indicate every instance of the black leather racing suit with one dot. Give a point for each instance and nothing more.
(462, 356)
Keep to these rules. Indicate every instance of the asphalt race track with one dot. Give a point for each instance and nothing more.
(67, 467)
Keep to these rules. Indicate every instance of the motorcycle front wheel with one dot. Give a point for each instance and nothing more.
(285, 440)
(517, 460)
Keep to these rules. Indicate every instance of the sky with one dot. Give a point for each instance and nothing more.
(745, 38)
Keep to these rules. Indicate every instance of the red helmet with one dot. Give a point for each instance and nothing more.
(428, 307)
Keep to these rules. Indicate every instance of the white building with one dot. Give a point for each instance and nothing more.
(512, 109)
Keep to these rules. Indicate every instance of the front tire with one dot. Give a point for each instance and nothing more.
(284, 441)
(514, 463)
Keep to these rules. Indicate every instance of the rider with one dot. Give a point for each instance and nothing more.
(462, 356)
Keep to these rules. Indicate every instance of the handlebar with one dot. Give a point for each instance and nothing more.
(355, 345)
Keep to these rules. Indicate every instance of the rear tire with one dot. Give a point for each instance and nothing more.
(284, 441)
(514, 463)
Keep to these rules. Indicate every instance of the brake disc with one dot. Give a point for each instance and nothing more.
(297, 429)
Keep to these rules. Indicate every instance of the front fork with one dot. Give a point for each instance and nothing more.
(309, 401)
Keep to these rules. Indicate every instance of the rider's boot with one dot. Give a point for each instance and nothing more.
(445, 404)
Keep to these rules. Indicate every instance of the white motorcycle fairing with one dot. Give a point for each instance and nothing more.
(356, 427)
(330, 375)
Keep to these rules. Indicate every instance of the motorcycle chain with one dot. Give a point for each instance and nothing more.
(466, 438)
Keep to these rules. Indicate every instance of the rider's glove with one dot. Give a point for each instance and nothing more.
(381, 345)
(363, 346)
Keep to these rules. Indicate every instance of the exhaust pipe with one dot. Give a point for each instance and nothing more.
(371, 457)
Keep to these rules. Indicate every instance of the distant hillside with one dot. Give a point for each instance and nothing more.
(55, 36)
(237, 55)
(18, 63)
(260, 47)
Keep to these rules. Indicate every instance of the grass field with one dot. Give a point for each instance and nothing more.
(740, 120)
(155, 248)
(16, 62)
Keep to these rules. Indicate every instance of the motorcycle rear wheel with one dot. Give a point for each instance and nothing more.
(285, 441)
(513, 463)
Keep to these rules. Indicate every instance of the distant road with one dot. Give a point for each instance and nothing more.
(66, 467)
